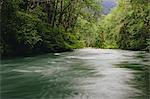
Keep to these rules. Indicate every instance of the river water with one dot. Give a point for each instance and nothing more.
(82, 74)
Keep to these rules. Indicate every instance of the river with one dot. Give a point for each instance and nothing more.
(82, 74)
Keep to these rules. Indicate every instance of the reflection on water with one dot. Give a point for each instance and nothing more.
(81, 74)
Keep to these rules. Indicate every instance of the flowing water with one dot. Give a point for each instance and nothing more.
(81, 74)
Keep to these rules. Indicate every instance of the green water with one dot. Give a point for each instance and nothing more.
(81, 74)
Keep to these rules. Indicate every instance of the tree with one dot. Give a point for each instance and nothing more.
(126, 26)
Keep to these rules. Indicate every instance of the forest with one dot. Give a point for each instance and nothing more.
(43, 26)
(75, 49)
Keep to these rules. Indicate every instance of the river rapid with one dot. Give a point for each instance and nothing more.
(82, 74)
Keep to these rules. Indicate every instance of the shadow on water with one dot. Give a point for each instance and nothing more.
(141, 80)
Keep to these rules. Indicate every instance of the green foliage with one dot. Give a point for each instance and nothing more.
(87, 31)
(126, 27)
(8, 25)
(27, 33)
(148, 45)
(63, 25)
(38, 28)
(57, 39)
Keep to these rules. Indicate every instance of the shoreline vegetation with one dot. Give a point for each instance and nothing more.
(32, 27)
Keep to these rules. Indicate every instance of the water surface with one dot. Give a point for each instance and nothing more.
(81, 74)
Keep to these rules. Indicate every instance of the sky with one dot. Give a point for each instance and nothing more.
(108, 5)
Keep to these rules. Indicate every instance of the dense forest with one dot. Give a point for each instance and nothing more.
(41, 26)
(127, 26)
